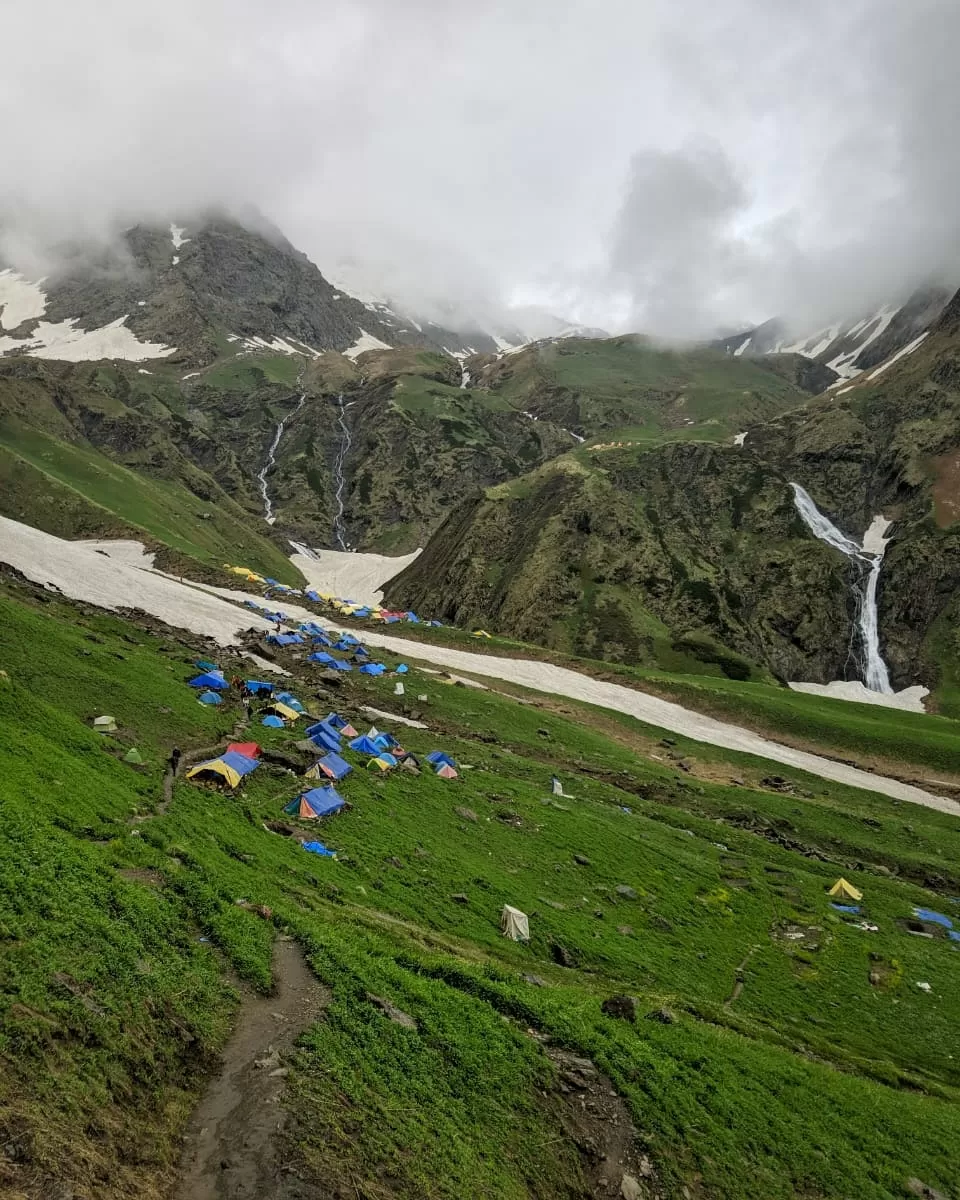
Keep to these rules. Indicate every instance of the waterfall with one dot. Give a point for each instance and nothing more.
(270, 463)
(867, 559)
(339, 530)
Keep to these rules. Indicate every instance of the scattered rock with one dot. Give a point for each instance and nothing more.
(626, 892)
(534, 980)
(738, 781)
(561, 955)
(544, 733)
(624, 1008)
(582, 861)
(390, 1010)
(685, 764)
(393, 861)
(626, 930)
(270, 1063)
(667, 741)
(460, 898)
(661, 924)
(663, 1015)
(467, 814)
(630, 1188)
(917, 1187)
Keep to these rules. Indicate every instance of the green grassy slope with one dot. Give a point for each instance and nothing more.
(810, 1080)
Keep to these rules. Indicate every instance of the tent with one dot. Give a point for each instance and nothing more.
(210, 679)
(402, 668)
(325, 726)
(272, 722)
(210, 698)
(409, 762)
(446, 772)
(372, 669)
(285, 639)
(230, 767)
(331, 766)
(365, 745)
(279, 709)
(318, 802)
(320, 656)
(480, 633)
(385, 741)
(556, 787)
(842, 890)
(291, 701)
(361, 652)
(514, 924)
(134, 756)
(381, 763)
(257, 687)
(440, 759)
(247, 749)
(335, 721)
(322, 740)
(105, 724)
(341, 664)
(202, 665)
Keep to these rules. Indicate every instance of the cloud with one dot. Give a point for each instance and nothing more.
(679, 164)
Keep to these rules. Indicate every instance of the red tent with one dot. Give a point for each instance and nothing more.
(247, 749)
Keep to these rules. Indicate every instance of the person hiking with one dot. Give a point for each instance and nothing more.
(174, 759)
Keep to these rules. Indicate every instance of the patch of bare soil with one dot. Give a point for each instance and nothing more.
(234, 1141)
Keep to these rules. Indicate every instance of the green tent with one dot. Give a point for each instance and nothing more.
(133, 755)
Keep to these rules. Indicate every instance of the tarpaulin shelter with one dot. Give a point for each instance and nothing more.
(325, 726)
(446, 772)
(842, 890)
(341, 664)
(258, 687)
(335, 721)
(209, 698)
(247, 749)
(322, 740)
(514, 924)
(331, 766)
(230, 767)
(402, 668)
(365, 745)
(291, 700)
(210, 679)
(105, 724)
(279, 709)
(318, 802)
(372, 669)
(321, 656)
(319, 848)
(439, 758)
(202, 665)
(384, 740)
(285, 639)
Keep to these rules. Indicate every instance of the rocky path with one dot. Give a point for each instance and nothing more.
(232, 1147)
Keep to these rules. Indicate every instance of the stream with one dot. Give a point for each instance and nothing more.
(271, 460)
(867, 559)
(339, 529)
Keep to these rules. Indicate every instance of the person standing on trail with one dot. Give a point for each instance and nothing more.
(174, 759)
(279, 625)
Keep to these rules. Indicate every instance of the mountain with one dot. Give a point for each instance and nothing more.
(666, 552)
(852, 346)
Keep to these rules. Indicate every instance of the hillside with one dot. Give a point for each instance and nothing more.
(448, 1060)
(638, 551)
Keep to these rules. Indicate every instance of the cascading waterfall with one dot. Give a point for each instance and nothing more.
(867, 558)
(271, 461)
(339, 530)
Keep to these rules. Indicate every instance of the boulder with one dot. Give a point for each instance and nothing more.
(624, 1008)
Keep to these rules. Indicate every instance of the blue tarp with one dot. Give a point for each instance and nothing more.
(953, 935)
(385, 740)
(210, 698)
(256, 686)
(313, 595)
(290, 701)
(847, 908)
(928, 914)
(386, 757)
(322, 800)
(285, 639)
(335, 765)
(321, 639)
(436, 624)
(372, 669)
(202, 665)
(335, 721)
(361, 652)
(365, 745)
(324, 741)
(341, 664)
(438, 758)
(211, 679)
(240, 763)
(319, 848)
(321, 656)
(402, 669)
(272, 722)
(362, 612)
(325, 726)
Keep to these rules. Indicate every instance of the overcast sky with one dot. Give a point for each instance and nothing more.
(674, 166)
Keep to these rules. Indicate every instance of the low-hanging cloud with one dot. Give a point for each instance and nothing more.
(673, 165)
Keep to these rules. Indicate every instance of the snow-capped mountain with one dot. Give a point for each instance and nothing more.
(864, 346)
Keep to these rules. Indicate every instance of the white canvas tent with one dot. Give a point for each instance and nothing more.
(514, 924)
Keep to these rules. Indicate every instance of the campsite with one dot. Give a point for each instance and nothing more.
(697, 896)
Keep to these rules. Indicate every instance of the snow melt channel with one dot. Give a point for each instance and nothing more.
(867, 558)
(270, 463)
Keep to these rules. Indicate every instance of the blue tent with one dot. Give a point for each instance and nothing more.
(385, 740)
(290, 701)
(210, 698)
(372, 669)
(321, 639)
(311, 628)
(342, 665)
(328, 730)
(436, 624)
(202, 665)
(343, 645)
(413, 618)
(365, 745)
(272, 722)
(313, 595)
(324, 740)
(335, 721)
(387, 757)
(362, 612)
(319, 848)
(391, 620)
(285, 639)
(258, 686)
(318, 802)
(320, 656)
(333, 766)
(361, 652)
(212, 679)
(402, 668)
(438, 758)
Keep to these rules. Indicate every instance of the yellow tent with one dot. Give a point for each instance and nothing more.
(241, 570)
(379, 765)
(480, 633)
(282, 710)
(846, 892)
(216, 767)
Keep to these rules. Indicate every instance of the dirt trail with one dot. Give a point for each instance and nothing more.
(232, 1143)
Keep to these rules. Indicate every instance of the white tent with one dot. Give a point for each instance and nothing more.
(514, 924)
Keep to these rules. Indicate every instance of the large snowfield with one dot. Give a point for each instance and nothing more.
(90, 573)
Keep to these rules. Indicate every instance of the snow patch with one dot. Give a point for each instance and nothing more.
(739, 439)
(358, 577)
(908, 700)
(20, 300)
(144, 371)
(176, 259)
(366, 341)
(908, 349)
(743, 345)
(64, 341)
(176, 236)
